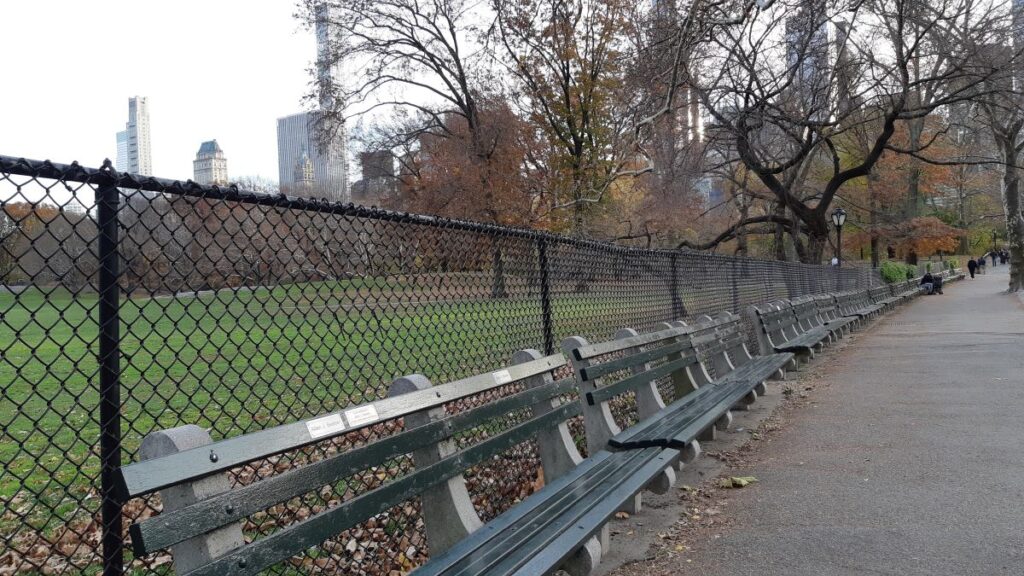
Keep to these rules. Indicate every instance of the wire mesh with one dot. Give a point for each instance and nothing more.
(238, 311)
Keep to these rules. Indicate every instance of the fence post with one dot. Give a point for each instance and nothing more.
(545, 295)
(107, 197)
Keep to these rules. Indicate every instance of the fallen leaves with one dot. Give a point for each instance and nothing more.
(736, 482)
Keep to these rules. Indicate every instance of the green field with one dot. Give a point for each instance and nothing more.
(229, 361)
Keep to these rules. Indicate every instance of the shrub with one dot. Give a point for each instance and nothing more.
(896, 272)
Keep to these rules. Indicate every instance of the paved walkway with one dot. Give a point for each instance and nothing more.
(910, 463)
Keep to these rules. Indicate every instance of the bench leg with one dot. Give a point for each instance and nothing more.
(687, 455)
(744, 404)
(585, 560)
(724, 422)
(194, 552)
(708, 434)
(634, 505)
(691, 452)
(448, 512)
(660, 484)
(761, 389)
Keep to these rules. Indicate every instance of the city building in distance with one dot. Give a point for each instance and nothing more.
(299, 151)
(134, 154)
(210, 166)
(299, 154)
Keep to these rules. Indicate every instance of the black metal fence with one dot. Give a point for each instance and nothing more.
(128, 305)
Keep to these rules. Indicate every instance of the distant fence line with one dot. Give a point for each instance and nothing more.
(141, 303)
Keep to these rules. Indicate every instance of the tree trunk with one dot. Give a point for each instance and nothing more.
(816, 242)
(780, 234)
(873, 218)
(741, 234)
(1014, 218)
(961, 223)
(913, 208)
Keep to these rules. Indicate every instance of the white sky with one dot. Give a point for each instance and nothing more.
(224, 69)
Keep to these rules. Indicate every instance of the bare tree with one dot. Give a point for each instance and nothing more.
(1001, 108)
(787, 106)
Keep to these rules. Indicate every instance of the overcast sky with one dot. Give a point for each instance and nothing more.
(223, 69)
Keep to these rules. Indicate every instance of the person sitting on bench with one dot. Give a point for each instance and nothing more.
(936, 284)
(927, 282)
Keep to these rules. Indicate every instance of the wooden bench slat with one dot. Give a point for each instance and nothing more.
(602, 348)
(589, 514)
(654, 430)
(576, 510)
(611, 366)
(759, 368)
(630, 382)
(265, 552)
(581, 476)
(733, 392)
(151, 475)
(172, 527)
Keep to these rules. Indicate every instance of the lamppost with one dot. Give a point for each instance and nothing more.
(838, 219)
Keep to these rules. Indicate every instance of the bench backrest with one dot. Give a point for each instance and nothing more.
(827, 309)
(879, 293)
(852, 301)
(805, 309)
(631, 364)
(202, 513)
(720, 343)
(775, 323)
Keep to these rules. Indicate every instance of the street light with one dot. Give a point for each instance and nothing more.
(838, 219)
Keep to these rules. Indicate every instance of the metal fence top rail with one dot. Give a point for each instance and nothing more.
(108, 176)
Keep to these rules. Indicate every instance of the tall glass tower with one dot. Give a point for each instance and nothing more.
(134, 154)
(298, 141)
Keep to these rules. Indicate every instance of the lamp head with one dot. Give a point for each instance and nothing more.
(839, 217)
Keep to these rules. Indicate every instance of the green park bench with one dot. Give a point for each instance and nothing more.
(635, 440)
(857, 304)
(830, 317)
(778, 329)
(706, 365)
(882, 296)
(555, 527)
(808, 318)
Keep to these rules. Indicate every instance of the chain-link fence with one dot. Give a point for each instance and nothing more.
(132, 305)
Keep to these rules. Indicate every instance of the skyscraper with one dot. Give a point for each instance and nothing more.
(807, 56)
(296, 145)
(298, 141)
(133, 149)
(210, 166)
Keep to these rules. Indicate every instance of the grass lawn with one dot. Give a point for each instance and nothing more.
(233, 362)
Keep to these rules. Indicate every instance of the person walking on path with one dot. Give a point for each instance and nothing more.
(981, 264)
(972, 265)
